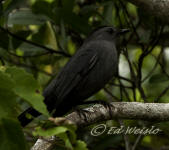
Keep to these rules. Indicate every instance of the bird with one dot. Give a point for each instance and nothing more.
(87, 71)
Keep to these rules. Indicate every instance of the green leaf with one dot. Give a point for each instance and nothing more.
(27, 88)
(80, 145)
(72, 134)
(158, 78)
(50, 36)
(7, 103)
(46, 36)
(71, 47)
(51, 131)
(26, 17)
(132, 9)
(65, 138)
(66, 133)
(30, 49)
(11, 135)
(7, 96)
(6, 82)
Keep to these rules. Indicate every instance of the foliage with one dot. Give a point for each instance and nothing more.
(37, 37)
(65, 132)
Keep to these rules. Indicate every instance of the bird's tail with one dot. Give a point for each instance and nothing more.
(24, 120)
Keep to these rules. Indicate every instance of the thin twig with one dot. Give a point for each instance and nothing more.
(35, 44)
(117, 85)
(127, 16)
(132, 74)
(126, 137)
(137, 141)
(124, 90)
(162, 68)
(27, 56)
(140, 63)
(123, 78)
(162, 94)
(113, 96)
(154, 67)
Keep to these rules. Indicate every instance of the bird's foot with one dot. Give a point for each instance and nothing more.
(82, 113)
(108, 106)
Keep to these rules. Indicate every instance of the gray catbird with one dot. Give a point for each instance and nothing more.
(92, 66)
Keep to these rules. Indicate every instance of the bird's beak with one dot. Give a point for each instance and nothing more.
(123, 31)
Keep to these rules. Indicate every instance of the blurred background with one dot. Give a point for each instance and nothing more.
(40, 36)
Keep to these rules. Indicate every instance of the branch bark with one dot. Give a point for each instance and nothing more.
(158, 8)
(121, 110)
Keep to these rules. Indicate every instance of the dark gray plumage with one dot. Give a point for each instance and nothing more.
(93, 65)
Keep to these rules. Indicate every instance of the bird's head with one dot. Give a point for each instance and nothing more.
(106, 33)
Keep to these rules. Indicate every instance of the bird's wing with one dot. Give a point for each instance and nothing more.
(76, 70)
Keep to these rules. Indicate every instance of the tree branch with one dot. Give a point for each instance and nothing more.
(158, 8)
(121, 110)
